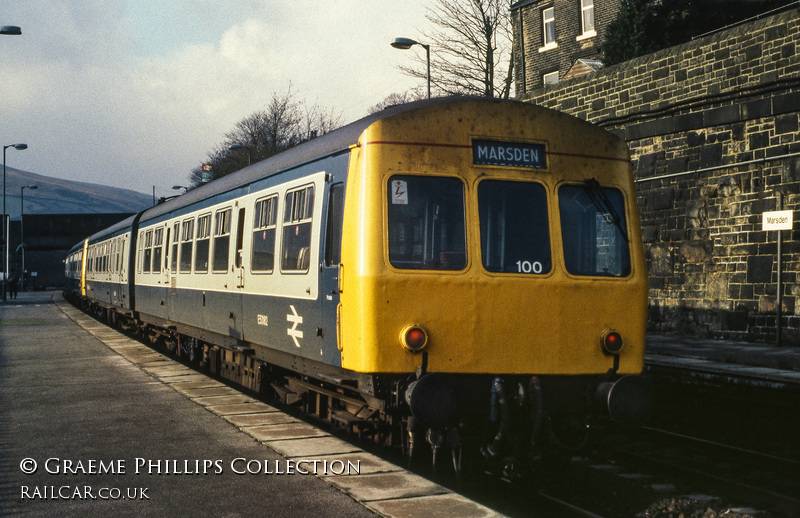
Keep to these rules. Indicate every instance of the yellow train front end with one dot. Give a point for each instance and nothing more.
(491, 240)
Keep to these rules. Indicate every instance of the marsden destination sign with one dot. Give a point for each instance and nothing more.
(509, 154)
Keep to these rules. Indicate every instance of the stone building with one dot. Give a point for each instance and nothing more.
(713, 130)
(559, 39)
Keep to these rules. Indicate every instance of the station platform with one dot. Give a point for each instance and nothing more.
(93, 423)
(725, 362)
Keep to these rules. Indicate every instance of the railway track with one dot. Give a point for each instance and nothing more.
(738, 474)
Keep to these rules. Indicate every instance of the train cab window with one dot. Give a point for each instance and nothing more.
(158, 244)
(187, 245)
(266, 216)
(176, 229)
(296, 244)
(202, 244)
(222, 240)
(515, 231)
(426, 223)
(594, 231)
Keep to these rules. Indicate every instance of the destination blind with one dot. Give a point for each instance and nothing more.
(509, 154)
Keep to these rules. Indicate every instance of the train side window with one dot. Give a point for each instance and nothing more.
(515, 231)
(296, 243)
(264, 225)
(176, 232)
(158, 244)
(148, 251)
(222, 240)
(594, 231)
(187, 244)
(333, 239)
(202, 244)
(426, 223)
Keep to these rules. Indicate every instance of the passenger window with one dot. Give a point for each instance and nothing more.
(222, 240)
(594, 230)
(426, 223)
(203, 243)
(266, 216)
(158, 244)
(148, 251)
(515, 231)
(187, 236)
(296, 245)
(175, 238)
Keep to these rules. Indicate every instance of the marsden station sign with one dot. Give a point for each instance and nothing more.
(777, 220)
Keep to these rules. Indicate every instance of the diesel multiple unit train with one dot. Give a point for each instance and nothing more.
(455, 273)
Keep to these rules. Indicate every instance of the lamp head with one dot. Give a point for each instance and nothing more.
(20, 146)
(403, 43)
(12, 30)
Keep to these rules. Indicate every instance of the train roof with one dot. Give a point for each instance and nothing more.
(335, 142)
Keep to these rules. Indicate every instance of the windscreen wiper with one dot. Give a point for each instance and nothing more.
(598, 196)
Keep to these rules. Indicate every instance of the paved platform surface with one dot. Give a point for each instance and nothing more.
(93, 423)
(743, 363)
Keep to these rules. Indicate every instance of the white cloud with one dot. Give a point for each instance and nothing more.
(137, 93)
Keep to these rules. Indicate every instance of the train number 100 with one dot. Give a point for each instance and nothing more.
(529, 267)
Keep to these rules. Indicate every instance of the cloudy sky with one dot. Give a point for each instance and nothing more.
(135, 93)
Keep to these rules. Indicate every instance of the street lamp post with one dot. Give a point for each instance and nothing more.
(234, 147)
(407, 43)
(5, 216)
(22, 231)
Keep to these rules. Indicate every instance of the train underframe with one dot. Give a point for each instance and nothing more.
(459, 423)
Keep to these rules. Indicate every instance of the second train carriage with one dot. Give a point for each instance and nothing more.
(452, 256)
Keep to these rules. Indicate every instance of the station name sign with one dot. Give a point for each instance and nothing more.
(777, 220)
(509, 154)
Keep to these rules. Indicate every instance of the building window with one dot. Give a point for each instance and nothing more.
(549, 27)
(587, 16)
(550, 78)
(587, 20)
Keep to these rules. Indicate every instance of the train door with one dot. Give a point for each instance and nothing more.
(240, 276)
(330, 270)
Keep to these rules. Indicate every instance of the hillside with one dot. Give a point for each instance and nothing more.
(57, 196)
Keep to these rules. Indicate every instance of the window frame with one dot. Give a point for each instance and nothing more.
(265, 219)
(548, 19)
(220, 234)
(587, 6)
(187, 243)
(388, 202)
(300, 211)
(202, 243)
(626, 237)
(525, 267)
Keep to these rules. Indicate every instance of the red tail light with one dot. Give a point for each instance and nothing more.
(612, 342)
(414, 338)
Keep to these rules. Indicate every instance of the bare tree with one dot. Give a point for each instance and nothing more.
(471, 48)
(285, 123)
(394, 100)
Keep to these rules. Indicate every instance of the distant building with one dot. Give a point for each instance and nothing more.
(558, 39)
